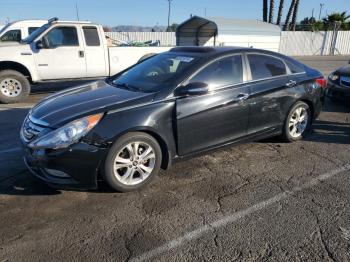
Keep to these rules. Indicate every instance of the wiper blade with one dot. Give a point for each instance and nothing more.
(127, 86)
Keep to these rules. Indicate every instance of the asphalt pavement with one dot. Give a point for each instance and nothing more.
(259, 201)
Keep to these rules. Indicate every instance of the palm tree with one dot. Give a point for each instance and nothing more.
(336, 18)
(272, 7)
(280, 11)
(295, 14)
(290, 11)
(265, 10)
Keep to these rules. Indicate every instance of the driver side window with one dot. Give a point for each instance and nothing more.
(223, 72)
(62, 36)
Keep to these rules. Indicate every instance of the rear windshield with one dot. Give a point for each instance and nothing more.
(155, 73)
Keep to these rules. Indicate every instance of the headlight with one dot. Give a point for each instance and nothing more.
(333, 77)
(67, 134)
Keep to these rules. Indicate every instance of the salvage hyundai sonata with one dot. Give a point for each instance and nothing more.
(172, 106)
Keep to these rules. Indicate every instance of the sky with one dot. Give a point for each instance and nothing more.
(152, 12)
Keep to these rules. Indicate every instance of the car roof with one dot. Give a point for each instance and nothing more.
(215, 51)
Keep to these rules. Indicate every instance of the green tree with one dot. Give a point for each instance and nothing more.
(172, 28)
(336, 19)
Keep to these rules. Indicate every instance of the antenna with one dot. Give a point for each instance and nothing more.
(77, 11)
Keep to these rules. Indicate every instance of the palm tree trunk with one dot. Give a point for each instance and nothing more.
(280, 11)
(272, 7)
(290, 11)
(265, 10)
(295, 15)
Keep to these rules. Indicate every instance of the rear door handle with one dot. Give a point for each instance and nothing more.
(291, 83)
(81, 53)
(242, 97)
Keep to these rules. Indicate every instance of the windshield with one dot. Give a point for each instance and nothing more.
(36, 33)
(154, 73)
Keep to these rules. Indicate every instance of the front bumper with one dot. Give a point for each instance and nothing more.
(75, 167)
(337, 90)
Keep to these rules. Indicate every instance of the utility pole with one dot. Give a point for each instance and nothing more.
(77, 10)
(313, 10)
(319, 16)
(169, 10)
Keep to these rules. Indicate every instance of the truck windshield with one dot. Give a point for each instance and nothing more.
(36, 33)
(154, 73)
(5, 28)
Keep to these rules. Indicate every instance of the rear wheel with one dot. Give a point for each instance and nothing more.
(297, 123)
(14, 87)
(132, 162)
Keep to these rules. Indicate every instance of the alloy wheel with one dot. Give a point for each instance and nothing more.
(134, 163)
(298, 122)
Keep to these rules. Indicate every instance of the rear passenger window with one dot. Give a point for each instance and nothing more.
(223, 72)
(294, 68)
(263, 66)
(91, 36)
(12, 36)
(32, 29)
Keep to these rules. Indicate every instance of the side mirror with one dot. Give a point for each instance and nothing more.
(192, 89)
(39, 44)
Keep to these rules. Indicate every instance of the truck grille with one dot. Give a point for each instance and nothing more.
(31, 129)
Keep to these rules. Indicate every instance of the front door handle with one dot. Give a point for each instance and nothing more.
(291, 83)
(242, 97)
(81, 53)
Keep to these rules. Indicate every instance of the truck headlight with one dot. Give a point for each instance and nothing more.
(67, 134)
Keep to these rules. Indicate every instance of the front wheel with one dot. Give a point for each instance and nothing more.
(298, 122)
(132, 162)
(14, 87)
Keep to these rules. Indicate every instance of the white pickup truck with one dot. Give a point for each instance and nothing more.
(60, 51)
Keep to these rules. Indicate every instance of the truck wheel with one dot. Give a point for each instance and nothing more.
(146, 56)
(14, 87)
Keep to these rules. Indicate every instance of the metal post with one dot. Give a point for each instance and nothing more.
(319, 16)
(77, 10)
(169, 10)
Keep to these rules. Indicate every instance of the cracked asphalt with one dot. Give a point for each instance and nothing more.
(199, 210)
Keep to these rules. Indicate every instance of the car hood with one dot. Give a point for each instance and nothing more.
(86, 99)
(343, 71)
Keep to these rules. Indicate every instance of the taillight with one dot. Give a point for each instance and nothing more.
(322, 82)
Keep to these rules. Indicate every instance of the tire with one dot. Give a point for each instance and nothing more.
(14, 87)
(122, 171)
(146, 56)
(294, 128)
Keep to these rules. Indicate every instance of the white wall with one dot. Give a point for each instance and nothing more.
(314, 43)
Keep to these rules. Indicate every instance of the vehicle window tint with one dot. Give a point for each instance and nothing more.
(262, 66)
(294, 68)
(62, 36)
(223, 72)
(32, 29)
(91, 36)
(12, 36)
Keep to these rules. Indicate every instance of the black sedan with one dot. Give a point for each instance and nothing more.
(339, 83)
(169, 107)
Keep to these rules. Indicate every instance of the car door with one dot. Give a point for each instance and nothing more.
(95, 55)
(218, 117)
(268, 80)
(62, 54)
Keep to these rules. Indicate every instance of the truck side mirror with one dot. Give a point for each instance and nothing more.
(39, 44)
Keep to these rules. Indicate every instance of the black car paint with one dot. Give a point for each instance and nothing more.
(336, 89)
(184, 126)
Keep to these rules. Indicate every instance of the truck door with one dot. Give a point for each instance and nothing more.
(95, 52)
(60, 55)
